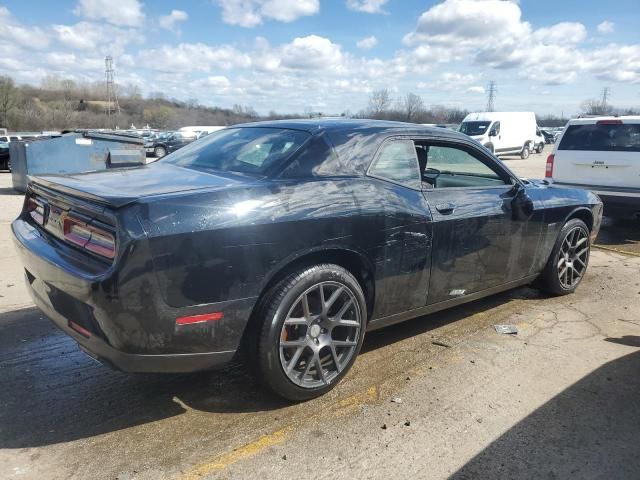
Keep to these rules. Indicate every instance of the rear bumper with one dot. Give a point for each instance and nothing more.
(126, 324)
(131, 362)
(617, 201)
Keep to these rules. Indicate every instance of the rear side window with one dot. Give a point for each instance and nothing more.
(398, 163)
(602, 137)
(250, 150)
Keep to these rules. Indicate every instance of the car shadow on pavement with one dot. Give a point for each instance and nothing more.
(10, 191)
(52, 392)
(590, 430)
(619, 233)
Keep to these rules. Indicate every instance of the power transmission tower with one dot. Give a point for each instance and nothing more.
(492, 89)
(112, 108)
(605, 99)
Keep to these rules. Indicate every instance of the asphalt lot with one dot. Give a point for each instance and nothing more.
(559, 400)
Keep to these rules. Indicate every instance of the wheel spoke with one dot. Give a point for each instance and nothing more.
(294, 359)
(580, 242)
(305, 307)
(343, 310)
(577, 259)
(319, 369)
(561, 261)
(295, 321)
(336, 361)
(582, 252)
(293, 343)
(332, 299)
(306, 370)
(344, 343)
(348, 323)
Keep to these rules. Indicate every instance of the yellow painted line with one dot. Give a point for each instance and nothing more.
(616, 250)
(249, 450)
(224, 460)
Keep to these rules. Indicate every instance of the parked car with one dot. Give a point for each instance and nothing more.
(502, 133)
(4, 156)
(167, 142)
(549, 137)
(602, 155)
(285, 241)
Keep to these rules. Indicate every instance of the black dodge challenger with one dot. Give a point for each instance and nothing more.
(286, 241)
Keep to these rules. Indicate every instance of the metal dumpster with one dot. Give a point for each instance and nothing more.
(74, 153)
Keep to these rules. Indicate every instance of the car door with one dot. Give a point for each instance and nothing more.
(481, 216)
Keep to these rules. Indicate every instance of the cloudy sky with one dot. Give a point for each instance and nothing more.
(328, 55)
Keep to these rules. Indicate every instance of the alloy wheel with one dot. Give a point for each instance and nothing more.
(320, 334)
(573, 257)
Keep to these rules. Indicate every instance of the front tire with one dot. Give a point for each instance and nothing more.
(525, 152)
(160, 152)
(313, 327)
(569, 259)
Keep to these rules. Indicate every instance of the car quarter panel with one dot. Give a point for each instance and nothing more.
(213, 247)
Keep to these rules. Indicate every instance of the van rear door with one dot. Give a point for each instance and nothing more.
(603, 153)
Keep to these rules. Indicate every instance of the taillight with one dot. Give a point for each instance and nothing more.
(36, 210)
(89, 237)
(548, 173)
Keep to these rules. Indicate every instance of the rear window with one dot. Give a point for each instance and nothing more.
(602, 137)
(243, 150)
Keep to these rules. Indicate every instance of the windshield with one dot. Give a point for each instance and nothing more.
(474, 128)
(243, 150)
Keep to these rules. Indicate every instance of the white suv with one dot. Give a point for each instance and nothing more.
(601, 154)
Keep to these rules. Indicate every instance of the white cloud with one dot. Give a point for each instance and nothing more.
(189, 57)
(250, 13)
(122, 12)
(311, 52)
(367, 6)
(169, 22)
(561, 33)
(475, 89)
(367, 43)
(606, 27)
(92, 37)
(13, 32)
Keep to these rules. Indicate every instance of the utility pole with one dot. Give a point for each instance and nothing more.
(112, 108)
(492, 89)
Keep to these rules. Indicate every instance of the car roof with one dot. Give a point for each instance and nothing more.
(335, 125)
(593, 120)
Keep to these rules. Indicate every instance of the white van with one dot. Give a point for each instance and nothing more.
(503, 133)
(601, 154)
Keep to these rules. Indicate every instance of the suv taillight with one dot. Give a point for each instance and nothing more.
(90, 237)
(548, 173)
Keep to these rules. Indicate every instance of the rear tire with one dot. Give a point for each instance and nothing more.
(569, 259)
(313, 325)
(524, 154)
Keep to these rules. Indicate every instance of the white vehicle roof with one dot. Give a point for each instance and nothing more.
(593, 120)
(490, 116)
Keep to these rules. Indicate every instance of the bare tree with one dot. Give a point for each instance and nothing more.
(594, 107)
(412, 106)
(379, 102)
(8, 98)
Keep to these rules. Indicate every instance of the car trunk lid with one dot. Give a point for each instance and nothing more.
(117, 188)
